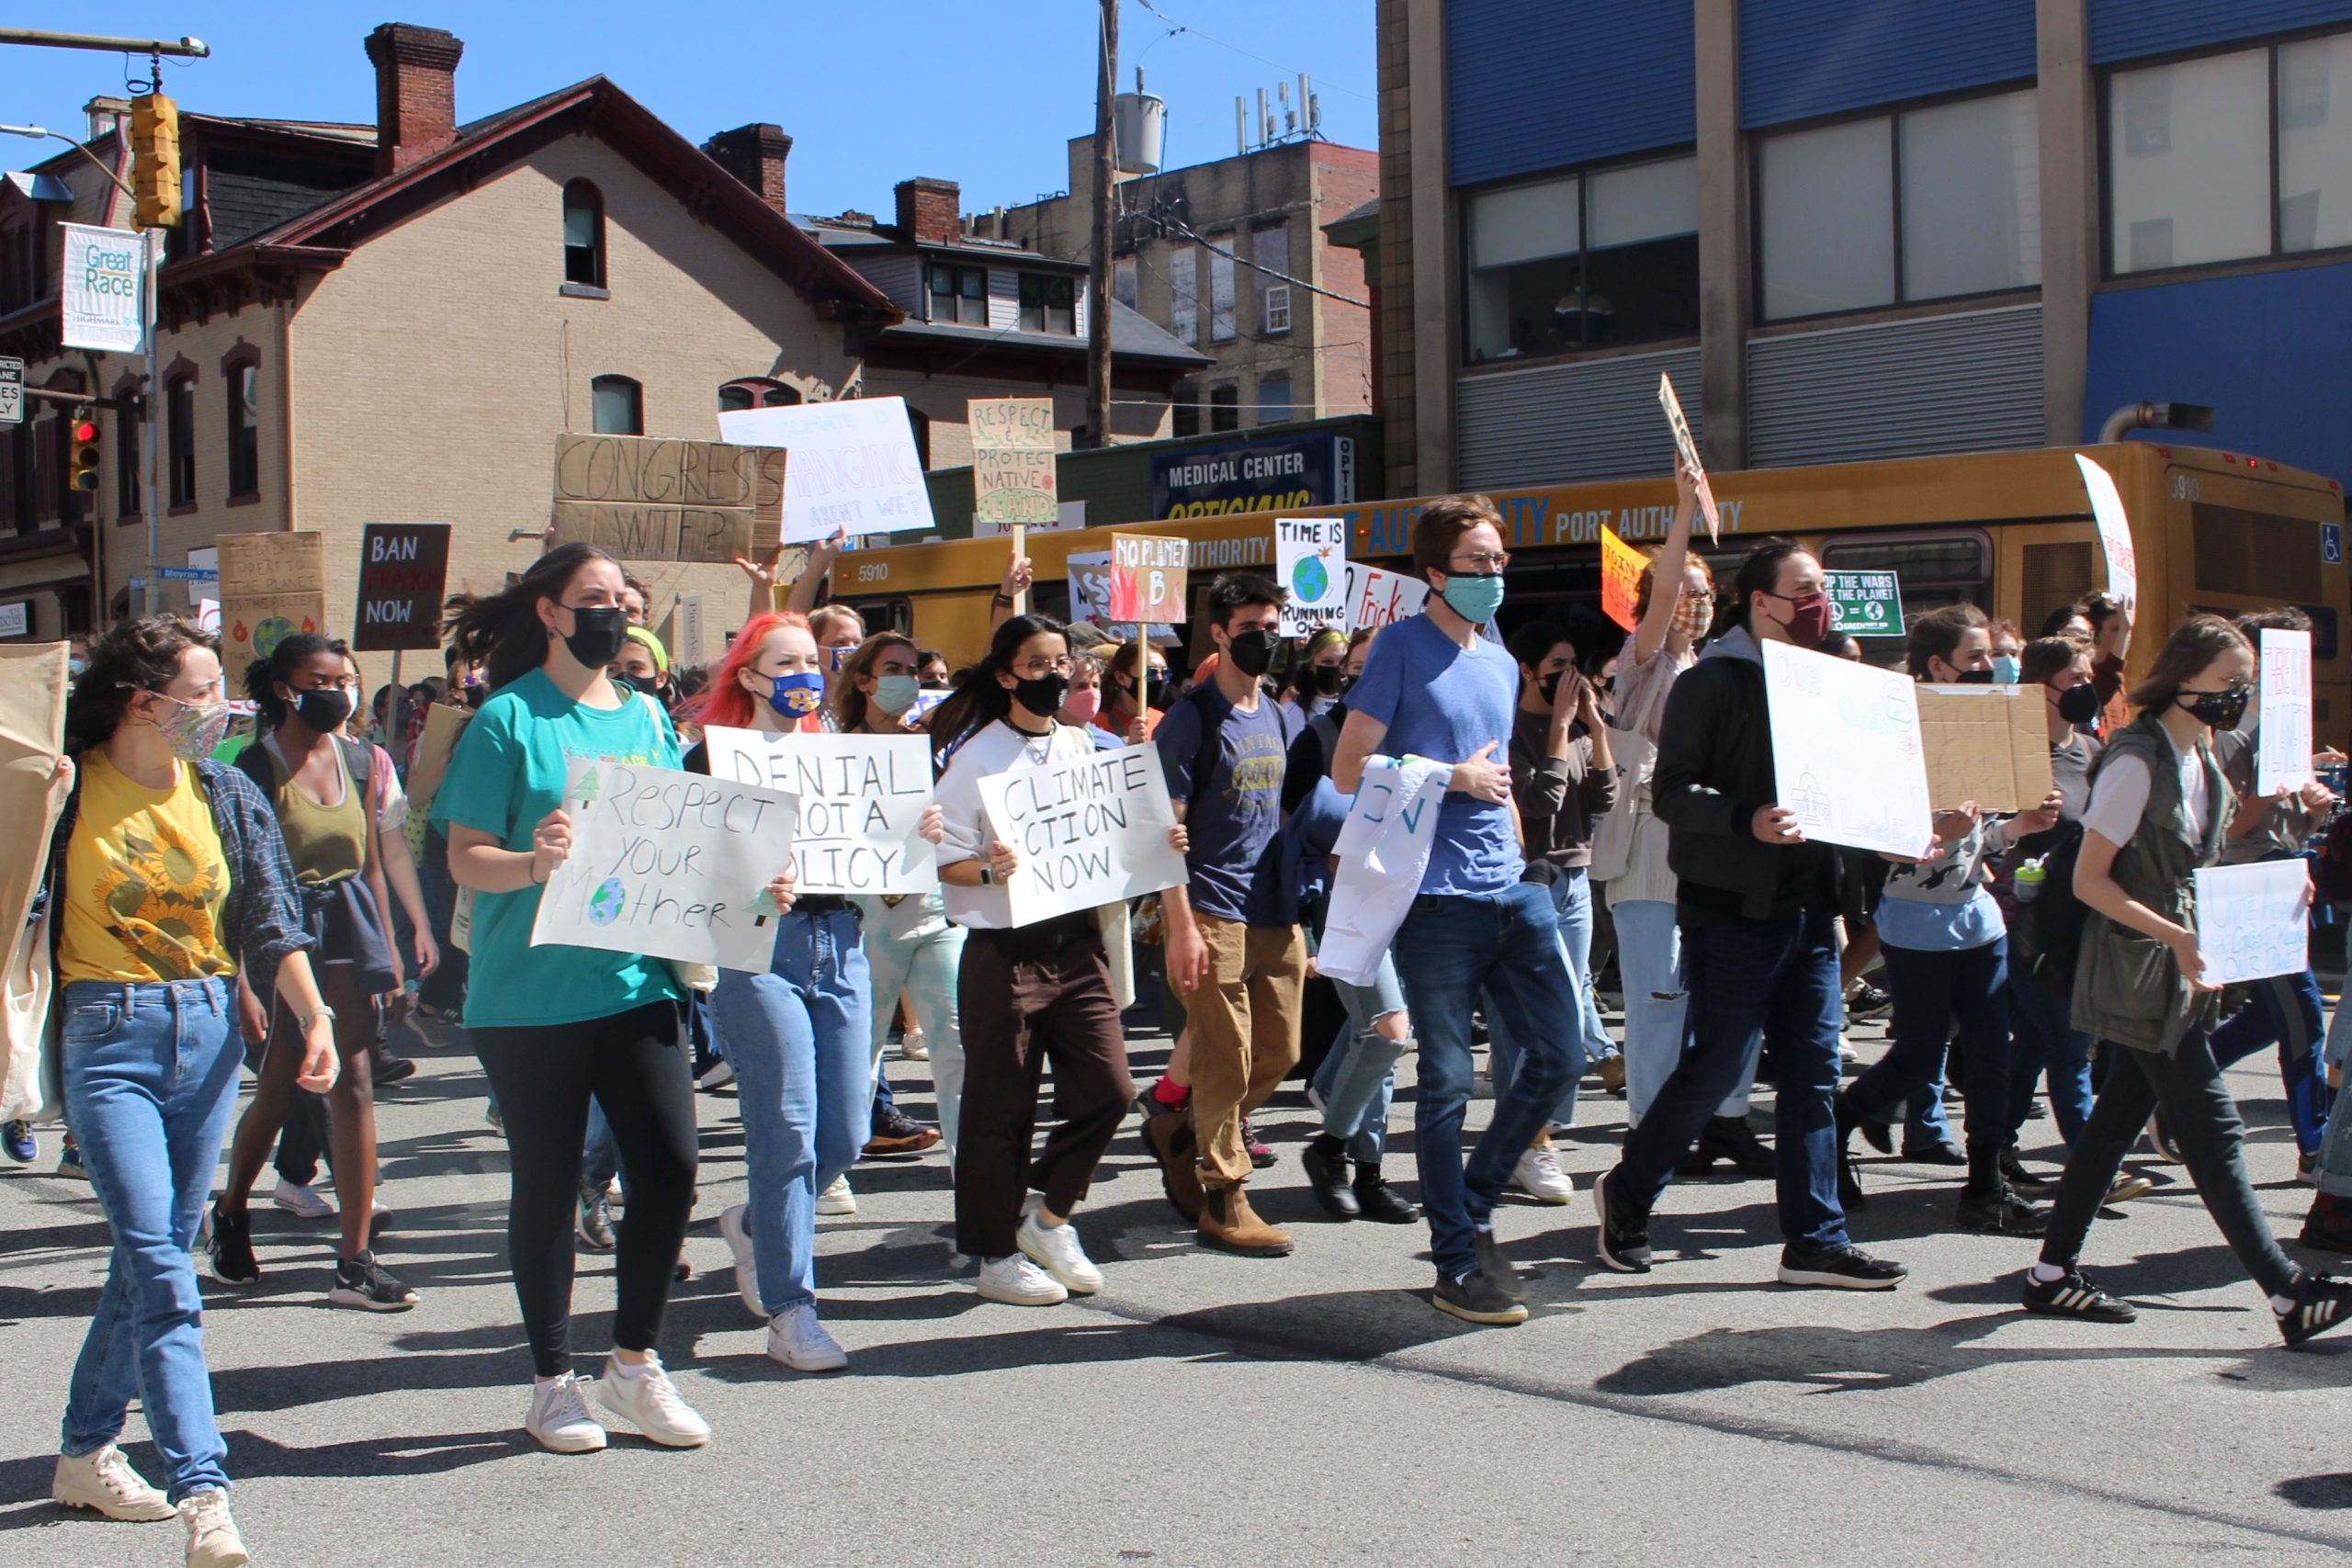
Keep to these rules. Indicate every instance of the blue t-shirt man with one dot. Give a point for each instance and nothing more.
(1234, 814)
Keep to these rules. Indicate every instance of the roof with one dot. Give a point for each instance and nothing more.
(884, 239)
(39, 184)
(1134, 337)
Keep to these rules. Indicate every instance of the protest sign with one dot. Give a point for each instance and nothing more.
(1089, 573)
(670, 864)
(1070, 516)
(2283, 732)
(1310, 560)
(670, 501)
(1012, 461)
(100, 288)
(1846, 750)
(1621, 577)
(1988, 744)
(1864, 603)
(1383, 850)
(208, 616)
(2254, 921)
(2114, 533)
(854, 467)
(1147, 577)
(32, 796)
(1377, 598)
(1687, 446)
(272, 586)
(1088, 833)
(402, 568)
(862, 799)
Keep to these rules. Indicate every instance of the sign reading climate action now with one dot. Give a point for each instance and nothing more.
(1290, 474)
(1088, 833)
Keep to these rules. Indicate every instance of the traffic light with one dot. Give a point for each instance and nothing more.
(155, 160)
(81, 452)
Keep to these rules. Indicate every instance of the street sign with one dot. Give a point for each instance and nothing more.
(2331, 544)
(105, 271)
(12, 391)
(1864, 603)
(188, 574)
(402, 568)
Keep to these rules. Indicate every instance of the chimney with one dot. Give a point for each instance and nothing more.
(105, 114)
(929, 211)
(416, 93)
(754, 154)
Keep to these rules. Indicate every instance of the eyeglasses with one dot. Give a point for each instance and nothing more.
(1039, 667)
(1480, 563)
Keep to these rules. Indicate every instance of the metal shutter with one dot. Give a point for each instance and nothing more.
(1970, 382)
(1593, 419)
(1534, 85)
(1802, 58)
(2127, 29)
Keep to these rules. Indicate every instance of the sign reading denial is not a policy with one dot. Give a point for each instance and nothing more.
(862, 800)
(1088, 833)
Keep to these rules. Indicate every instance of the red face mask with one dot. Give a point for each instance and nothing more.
(1808, 620)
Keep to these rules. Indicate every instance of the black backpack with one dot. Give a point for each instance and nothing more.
(2048, 936)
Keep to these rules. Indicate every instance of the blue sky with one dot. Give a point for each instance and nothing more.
(871, 93)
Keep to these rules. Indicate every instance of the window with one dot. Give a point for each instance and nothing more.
(756, 391)
(959, 294)
(616, 406)
(179, 424)
(127, 478)
(2315, 144)
(584, 235)
(1221, 320)
(1122, 280)
(1269, 248)
(1608, 257)
(244, 430)
(1274, 398)
(1930, 204)
(1048, 304)
(919, 423)
(1183, 294)
(1186, 411)
(17, 477)
(21, 282)
(1225, 408)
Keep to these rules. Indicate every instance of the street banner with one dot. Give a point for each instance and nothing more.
(2254, 921)
(1688, 446)
(1310, 560)
(1864, 603)
(667, 500)
(670, 864)
(1384, 851)
(272, 586)
(1846, 750)
(854, 469)
(1621, 578)
(1148, 579)
(1012, 462)
(32, 796)
(100, 292)
(1988, 744)
(1089, 833)
(2283, 729)
(2114, 534)
(403, 567)
(1377, 598)
(862, 800)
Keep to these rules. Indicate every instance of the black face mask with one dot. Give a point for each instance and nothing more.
(1253, 652)
(2220, 709)
(1042, 693)
(627, 681)
(1328, 680)
(325, 711)
(597, 634)
(1155, 692)
(2079, 704)
(1974, 678)
(1548, 686)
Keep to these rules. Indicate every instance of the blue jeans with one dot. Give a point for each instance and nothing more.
(1933, 990)
(2283, 1010)
(151, 1083)
(1357, 1077)
(801, 1039)
(1571, 893)
(1779, 977)
(2044, 1040)
(1650, 963)
(1448, 949)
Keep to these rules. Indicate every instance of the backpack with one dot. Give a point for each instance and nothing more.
(2332, 867)
(2048, 935)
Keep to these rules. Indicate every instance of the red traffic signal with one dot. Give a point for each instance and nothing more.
(83, 453)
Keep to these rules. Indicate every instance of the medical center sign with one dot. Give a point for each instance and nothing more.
(103, 272)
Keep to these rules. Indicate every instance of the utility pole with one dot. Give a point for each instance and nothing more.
(1098, 283)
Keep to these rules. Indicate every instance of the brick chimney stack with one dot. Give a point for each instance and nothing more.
(931, 212)
(754, 154)
(416, 91)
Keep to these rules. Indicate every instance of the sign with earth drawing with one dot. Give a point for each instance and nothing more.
(1311, 562)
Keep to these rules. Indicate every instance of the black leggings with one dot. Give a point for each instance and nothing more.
(635, 1064)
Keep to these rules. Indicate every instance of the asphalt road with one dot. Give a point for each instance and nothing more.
(1216, 1410)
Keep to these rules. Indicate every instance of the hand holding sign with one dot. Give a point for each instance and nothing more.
(2114, 533)
(1621, 578)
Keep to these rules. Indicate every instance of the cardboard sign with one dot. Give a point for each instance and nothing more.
(1864, 603)
(1621, 578)
(272, 586)
(670, 501)
(1070, 516)
(1377, 598)
(1846, 750)
(862, 798)
(1310, 560)
(403, 567)
(1012, 461)
(1688, 446)
(668, 864)
(2114, 533)
(100, 286)
(2283, 730)
(2254, 921)
(1988, 744)
(1089, 833)
(854, 467)
(1147, 577)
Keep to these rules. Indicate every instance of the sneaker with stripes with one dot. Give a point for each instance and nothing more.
(2321, 1302)
(2072, 1295)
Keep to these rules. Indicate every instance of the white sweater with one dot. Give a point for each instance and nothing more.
(998, 749)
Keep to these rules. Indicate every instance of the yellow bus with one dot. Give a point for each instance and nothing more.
(2008, 531)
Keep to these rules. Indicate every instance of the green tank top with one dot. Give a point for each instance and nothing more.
(326, 843)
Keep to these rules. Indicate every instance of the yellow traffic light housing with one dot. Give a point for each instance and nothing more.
(83, 452)
(155, 161)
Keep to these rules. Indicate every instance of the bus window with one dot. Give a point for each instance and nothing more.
(1934, 569)
(896, 614)
(2053, 576)
(2254, 554)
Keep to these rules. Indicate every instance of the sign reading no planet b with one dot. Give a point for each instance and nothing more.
(402, 568)
(1088, 833)
(1147, 577)
(862, 799)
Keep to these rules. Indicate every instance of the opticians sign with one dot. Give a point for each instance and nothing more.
(1286, 474)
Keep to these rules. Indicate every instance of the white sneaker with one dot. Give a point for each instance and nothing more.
(648, 1400)
(1538, 1174)
(300, 1201)
(800, 1342)
(104, 1482)
(1016, 1281)
(913, 1046)
(560, 1418)
(747, 1270)
(212, 1538)
(1846, 1052)
(837, 1199)
(1055, 1249)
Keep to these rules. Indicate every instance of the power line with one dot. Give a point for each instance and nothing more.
(1175, 26)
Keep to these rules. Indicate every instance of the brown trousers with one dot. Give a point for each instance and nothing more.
(1040, 993)
(1244, 1026)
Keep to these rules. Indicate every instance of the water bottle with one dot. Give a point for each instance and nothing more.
(2028, 880)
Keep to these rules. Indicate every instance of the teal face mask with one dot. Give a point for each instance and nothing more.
(894, 695)
(1474, 599)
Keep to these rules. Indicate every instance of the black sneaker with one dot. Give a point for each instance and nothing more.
(596, 1225)
(2000, 1212)
(1325, 1159)
(2321, 1302)
(1624, 1234)
(2014, 1172)
(385, 1067)
(1840, 1269)
(896, 1133)
(1868, 1001)
(363, 1282)
(1731, 1138)
(1495, 1266)
(227, 1241)
(2328, 1226)
(1942, 1152)
(1473, 1298)
(1850, 1195)
(2072, 1295)
(1376, 1200)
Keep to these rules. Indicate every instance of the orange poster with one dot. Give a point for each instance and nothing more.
(1621, 577)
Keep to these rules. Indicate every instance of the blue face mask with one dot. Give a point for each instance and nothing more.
(894, 695)
(796, 695)
(1474, 599)
(2005, 668)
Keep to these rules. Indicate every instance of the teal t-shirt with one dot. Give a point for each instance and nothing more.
(507, 772)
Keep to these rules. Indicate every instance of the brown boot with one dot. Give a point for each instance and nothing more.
(1229, 1225)
(1169, 1136)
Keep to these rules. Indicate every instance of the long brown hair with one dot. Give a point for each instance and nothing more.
(849, 703)
(2194, 644)
(501, 632)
